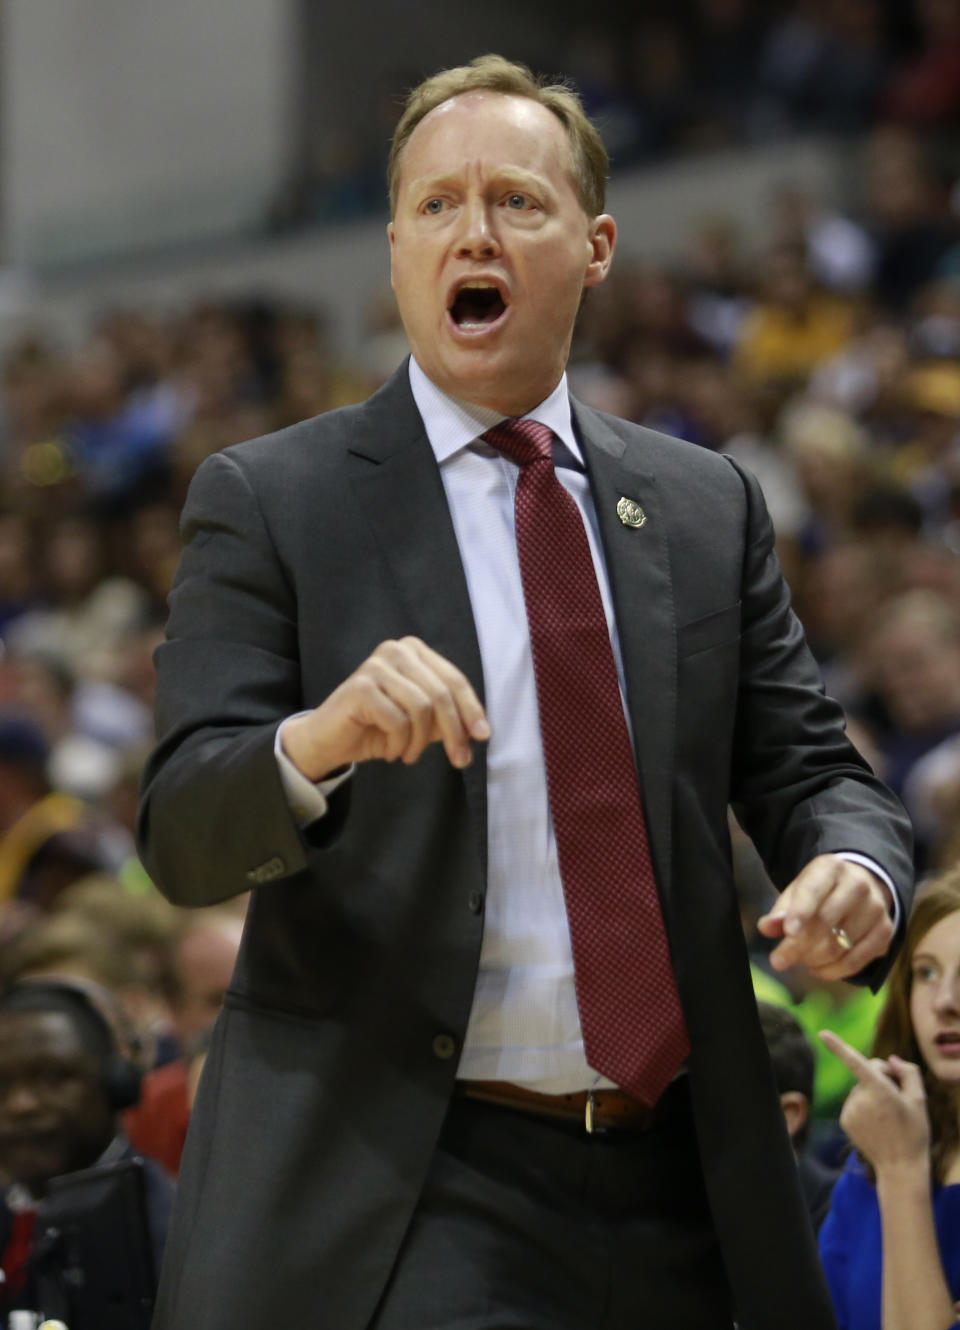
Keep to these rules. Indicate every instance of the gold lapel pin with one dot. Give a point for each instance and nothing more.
(630, 513)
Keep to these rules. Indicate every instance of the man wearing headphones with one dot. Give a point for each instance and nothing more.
(63, 1083)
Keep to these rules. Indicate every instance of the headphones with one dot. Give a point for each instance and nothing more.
(120, 1076)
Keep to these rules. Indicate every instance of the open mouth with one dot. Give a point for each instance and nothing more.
(477, 305)
(948, 1041)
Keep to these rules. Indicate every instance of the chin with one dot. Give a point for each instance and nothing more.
(945, 1070)
(34, 1174)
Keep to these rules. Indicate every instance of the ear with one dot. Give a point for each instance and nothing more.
(602, 239)
(392, 238)
(796, 1110)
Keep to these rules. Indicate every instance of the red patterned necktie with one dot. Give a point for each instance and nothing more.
(630, 1015)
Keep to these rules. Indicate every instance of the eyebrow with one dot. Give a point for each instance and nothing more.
(506, 176)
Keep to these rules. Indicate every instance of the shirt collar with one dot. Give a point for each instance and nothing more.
(452, 424)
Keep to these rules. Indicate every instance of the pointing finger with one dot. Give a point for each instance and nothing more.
(808, 890)
(864, 1070)
(801, 898)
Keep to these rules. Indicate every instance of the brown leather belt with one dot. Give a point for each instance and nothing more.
(593, 1110)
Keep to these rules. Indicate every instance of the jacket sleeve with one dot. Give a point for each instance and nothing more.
(799, 787)
(214, 820)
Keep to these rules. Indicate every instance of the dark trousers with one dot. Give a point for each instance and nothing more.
(530, 1224)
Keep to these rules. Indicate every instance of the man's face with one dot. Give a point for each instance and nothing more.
(491, 249)
(54, 1112)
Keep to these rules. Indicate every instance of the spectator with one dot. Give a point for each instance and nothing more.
(839, 252)
(929, 462)
(913, 652)
(86, 610)
(45, 843)
(931, 796)
(911, 226)
(891, 1242)
(716, 301)
(139, 927)
(830, 455)
(794, 327)
(100, 933)
(887, 519)
(120, 440)
(846, 585)
(792, 1060)
(203, 960)
(63, 1081)
(68, 945)
(865, 377)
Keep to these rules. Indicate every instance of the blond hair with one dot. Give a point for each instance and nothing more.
(492, 73)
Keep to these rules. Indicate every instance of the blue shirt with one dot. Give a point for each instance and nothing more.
(850, 1246)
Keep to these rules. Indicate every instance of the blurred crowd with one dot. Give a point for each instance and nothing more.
(680, 76)
(711, 72)
(826, 359)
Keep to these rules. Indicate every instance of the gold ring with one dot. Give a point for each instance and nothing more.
(843, 937)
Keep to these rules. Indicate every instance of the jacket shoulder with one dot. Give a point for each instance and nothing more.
(319, 437)
(321, 441)
(663, 455)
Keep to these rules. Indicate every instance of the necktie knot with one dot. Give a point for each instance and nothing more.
(523, 441)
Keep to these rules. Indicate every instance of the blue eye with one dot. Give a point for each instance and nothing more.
(516, 201)
(434, 205)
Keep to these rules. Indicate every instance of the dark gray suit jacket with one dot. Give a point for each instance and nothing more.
(334, 1059)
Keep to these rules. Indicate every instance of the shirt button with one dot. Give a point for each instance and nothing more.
(475, 901)
(444, 1047)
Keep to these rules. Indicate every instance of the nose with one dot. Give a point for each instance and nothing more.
(478, 239)
(20, 1100)
(947, 996)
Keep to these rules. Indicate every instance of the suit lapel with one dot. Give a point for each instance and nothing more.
(638, 563)
(397, 481)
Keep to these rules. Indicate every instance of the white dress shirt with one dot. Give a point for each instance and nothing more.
(523, 1025)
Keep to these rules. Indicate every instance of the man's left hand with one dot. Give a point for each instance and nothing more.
(830, 900)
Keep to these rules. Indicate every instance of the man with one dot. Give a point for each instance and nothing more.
(402, 1124)
(63, 1082)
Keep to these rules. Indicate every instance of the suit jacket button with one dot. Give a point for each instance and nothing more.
(444, 1047)
(475, 901)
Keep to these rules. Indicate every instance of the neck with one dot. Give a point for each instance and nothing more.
(494, 395)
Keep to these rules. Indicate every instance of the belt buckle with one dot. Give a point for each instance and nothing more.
(590, 1124)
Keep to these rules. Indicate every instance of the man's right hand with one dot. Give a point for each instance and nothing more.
(402, 698)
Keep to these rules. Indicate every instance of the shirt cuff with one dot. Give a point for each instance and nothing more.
(307, 800)
(852, 857)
